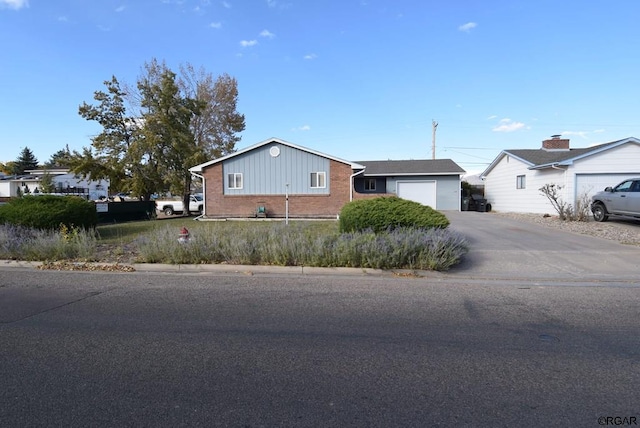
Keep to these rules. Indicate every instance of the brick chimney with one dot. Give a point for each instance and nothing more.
(556, 143)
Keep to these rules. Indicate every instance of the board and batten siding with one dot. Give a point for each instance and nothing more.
(501, 192)
(264, 174)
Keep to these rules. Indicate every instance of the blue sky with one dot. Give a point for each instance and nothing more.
(356, 79)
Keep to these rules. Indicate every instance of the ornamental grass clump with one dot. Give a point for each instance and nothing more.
(24, 243)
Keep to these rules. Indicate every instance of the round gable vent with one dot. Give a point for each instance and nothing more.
(274, 151)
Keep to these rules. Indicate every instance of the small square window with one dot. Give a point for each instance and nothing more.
(318, 180)
(235, 180)
(521, 182)
(370, 184)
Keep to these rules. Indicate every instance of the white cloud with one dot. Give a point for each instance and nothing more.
(267, 33)
(583, 134)
(493, 116)
(14, 4)
(248, 43)
(120, 9)
(310, 56)
(508, 125)
(302, 128)
(216, 25)
(226, 5)
(467, 27)
(278, 4)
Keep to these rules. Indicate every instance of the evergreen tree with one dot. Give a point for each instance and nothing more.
(60, 159)
(26, 160)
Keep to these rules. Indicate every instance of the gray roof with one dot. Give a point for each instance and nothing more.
(199, 168)
(541, 158)
(545, 157)
(411, 167)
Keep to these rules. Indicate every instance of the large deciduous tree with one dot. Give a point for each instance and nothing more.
(111, 153)
(174, 122)
(167, 116)
(216, 128)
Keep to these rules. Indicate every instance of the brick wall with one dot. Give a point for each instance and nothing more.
(556, 143)
(300, 206)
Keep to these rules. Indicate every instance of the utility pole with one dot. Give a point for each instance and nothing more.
(434, 125)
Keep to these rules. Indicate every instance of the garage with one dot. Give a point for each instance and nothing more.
(593, 183)
(423, 191)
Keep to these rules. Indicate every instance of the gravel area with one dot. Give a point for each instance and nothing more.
(623, 231)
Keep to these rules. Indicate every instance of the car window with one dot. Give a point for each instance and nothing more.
(636, 186)
(625, 186)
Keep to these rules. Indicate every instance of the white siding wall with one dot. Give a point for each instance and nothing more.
(96, 188)
(500, 184)
(621, 162)
(500, 187)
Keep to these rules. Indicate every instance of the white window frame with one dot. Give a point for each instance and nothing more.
(234, 180)
(370, 184)
(521, 181)
(318, 180)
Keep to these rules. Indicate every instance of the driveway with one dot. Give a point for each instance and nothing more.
(506, 248)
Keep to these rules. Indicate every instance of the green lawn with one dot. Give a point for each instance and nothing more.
(122, 233)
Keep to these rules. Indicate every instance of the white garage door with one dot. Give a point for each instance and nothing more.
(593, 183)
(418, 191)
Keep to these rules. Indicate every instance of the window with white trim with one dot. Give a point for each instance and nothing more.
(370, 184)
(318, 180)
(235, 180)
(521, 182)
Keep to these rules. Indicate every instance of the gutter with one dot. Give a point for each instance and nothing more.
(351, 183)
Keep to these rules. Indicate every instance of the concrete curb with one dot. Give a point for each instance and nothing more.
(227, 268)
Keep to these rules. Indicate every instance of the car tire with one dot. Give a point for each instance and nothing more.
(487, 208)
(600, 213)
(168, 211)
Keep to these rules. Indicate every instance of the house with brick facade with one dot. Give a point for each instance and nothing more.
(278, 179)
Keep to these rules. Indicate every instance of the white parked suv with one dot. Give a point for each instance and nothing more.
(622, 200)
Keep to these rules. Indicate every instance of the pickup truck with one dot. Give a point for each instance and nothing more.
(171, 207)
(621, 200)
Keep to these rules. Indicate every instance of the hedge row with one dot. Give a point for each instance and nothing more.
(49, 212)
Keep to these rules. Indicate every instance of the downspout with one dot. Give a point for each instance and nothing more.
(204, 195)
(351, 183)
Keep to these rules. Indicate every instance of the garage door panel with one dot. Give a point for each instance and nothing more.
(423, 192)
(590, 184)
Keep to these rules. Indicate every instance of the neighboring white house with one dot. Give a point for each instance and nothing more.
(513, 180)
(64, 182)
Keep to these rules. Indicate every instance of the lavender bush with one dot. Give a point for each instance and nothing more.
(23, 243)
(294, 245)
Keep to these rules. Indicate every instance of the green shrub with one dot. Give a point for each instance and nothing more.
(388, 213)
(49, 212)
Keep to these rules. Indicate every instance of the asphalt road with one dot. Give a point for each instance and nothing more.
(535, 328)
(143, 349)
